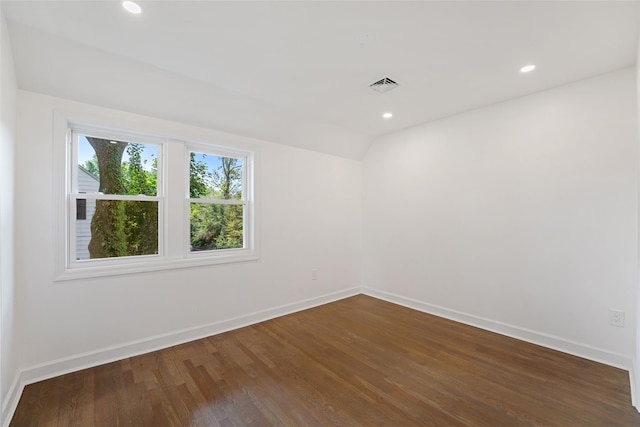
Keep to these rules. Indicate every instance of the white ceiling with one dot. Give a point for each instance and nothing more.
(298, 72)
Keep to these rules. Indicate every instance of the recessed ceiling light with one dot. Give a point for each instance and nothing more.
(527, 68)
(387, 115)
(132, 7)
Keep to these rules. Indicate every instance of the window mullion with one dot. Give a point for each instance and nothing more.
(220, 201)
(126, 197)
(174, 168)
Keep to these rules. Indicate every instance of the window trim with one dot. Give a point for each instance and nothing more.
(246, 201)
(73, 194)
(173, 225)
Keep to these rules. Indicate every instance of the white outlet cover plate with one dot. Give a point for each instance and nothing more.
(616, 318)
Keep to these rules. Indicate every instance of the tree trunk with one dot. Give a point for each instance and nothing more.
(108, 237)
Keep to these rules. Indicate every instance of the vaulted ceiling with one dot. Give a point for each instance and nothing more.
(299, 72)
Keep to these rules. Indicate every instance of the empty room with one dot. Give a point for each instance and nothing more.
(319, 213)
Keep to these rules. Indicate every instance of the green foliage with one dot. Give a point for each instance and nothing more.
(206, 225)
(135, 179)
(198, 176)
(140, 218)
(92, 166)
(231, 234)
(217, 226)
(141, 227)
(227, 179)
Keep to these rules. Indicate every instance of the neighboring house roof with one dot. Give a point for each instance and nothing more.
(83, 169)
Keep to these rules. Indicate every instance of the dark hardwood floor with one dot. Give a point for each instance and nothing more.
(355, 362)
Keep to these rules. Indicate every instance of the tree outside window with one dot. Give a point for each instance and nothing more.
(216, 202)
(120, 226)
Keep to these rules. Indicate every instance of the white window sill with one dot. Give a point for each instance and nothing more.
(148, 264)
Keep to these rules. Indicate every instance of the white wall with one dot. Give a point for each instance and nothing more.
(310, 219)
(520, 217)
(8, 94)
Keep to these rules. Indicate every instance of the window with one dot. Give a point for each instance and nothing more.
(81, 209)
(142, 202)
(217, 202)
(115, 185)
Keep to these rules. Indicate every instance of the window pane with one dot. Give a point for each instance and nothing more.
(215, 226)
(214, 177)
(116, 167)
(117, 228)
(81, 208)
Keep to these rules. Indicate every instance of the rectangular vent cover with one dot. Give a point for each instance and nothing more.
(383, 85)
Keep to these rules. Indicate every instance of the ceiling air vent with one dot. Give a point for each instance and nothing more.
(383, 85)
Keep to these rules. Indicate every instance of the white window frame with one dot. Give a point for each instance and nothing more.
(246, 201)
(116, 135)
(172, 186)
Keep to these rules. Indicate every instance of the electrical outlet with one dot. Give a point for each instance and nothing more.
(616, 318)
(314, 274)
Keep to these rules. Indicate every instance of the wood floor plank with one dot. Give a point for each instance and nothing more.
(355, 362)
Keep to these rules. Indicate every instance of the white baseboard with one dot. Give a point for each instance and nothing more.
(534, 337)
(633, 381)
(11, 400)
(78, 362)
